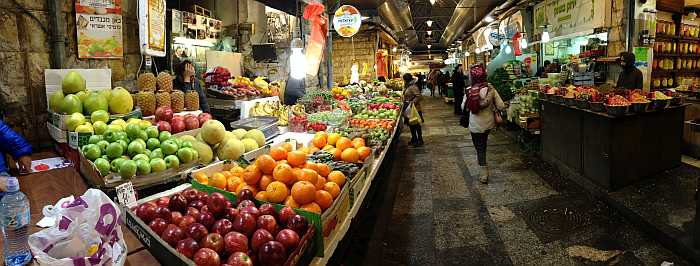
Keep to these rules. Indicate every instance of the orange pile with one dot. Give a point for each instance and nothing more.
(342, 148)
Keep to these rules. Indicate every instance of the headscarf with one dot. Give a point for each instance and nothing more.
(628, 59)
(477, 73)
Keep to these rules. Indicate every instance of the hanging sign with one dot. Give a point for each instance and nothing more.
(152, 27)
(569, 16)
(99, 29)
(347, 21)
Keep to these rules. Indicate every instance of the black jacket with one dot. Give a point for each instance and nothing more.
(180, 84)
(458, 82)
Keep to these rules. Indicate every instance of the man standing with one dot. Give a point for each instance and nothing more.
(458, 87)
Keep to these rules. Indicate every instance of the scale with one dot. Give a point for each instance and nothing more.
(266, 124)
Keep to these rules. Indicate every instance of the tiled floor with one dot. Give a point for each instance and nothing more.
(433, 211)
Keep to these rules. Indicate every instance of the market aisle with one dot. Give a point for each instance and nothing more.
(441, 215)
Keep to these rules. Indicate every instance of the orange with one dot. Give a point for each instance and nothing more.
(303, 192)
(245, 186)
(252, 174)
(261, 196)
(265, 163)
(321, 134)
(311, 165)
(264, 181)
(283, 173)
(327, 147)
(337, 177)
(233, 182)
(312, 207)
(358, 142)
(278, 153)
(289, 201)
(218, 180)
(318, 141)
(320, 182)
(308, 175)
(201, 177)
(343, 143)
(287, 146)
(304, 150)
(332, 188)
(324, 199)
(237, 171)
(323, 169)
(296, 172)
(313, 150)
(333, 138)
(350, 155)
(336, 154)
(364, 152)
(296, 158)
(227, 174)
(277, 192)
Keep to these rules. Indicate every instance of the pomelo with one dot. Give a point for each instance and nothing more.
(95, 102)
(250, 144)
(73, 82)
(55, 101)
(75, 120)
(256, 135)
(213, 132)
(239, 133)
(71, 104)
(121, 101)
(231, 150)
(205, 153)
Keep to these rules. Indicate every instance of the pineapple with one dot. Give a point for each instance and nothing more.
(177, 101)
(146, 82)
(162, 99)
(147, 102)
(164, 82)
(191, 100)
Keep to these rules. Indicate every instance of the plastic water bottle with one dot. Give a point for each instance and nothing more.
(14, 220)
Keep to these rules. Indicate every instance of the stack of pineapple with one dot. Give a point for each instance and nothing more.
(155, 92)
(145, 98)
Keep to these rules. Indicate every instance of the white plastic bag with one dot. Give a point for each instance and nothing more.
(86, 232)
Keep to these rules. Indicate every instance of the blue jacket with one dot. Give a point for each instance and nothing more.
(11, 143)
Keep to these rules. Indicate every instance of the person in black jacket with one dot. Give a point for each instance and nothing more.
(631, 77)
(186, 80)
(458, 88)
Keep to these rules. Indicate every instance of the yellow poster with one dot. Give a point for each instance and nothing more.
(99, 28)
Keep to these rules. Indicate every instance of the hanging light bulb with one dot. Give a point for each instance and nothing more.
(429, 22)
(432, 2)
(430, 32)
(393, 49)
(508, 49)
(297, 61)
(430, 45)
(545, 36)
(477, 50)
(467, 53)
(523, 43)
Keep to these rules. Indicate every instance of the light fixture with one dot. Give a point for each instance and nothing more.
(432, 2)
(523, 42)
(489, 19)
(429, 22)
(430, 45)
(477, 50)
(467, 53)
(508, 49)
(297, 61)
(430, 32)
(545, 36)
(692, 16)
(393, 49)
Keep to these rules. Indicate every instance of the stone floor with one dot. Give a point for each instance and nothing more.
(429, 209)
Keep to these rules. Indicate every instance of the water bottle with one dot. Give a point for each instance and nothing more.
(14, 220)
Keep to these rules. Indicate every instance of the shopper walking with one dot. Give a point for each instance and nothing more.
(482, 102)
(412, 94)
(433, 81)
(458, 88)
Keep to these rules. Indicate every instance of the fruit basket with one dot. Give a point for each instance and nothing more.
(617, 110)
(639, 107)
(582, 104)
(659, 104)
(597, 107)
(570, 101)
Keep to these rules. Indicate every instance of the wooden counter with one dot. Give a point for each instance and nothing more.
(613, 152)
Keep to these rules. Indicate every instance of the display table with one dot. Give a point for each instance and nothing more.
(613, 152)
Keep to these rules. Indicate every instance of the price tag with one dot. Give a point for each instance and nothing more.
(126, 194)
(148, 61)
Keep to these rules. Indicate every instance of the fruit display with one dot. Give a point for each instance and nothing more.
(298, 122)
(115, 101)
(209, 229)
(166, 120)
(340, 93)
(336, 117)
(657, 95)
(217, 78)
(637, 97)
(618, 100)
(316, 127)
(146, 82)
(378, 114)
(316, 100)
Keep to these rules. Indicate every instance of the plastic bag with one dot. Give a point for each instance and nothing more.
(86, 232)
(414, 117)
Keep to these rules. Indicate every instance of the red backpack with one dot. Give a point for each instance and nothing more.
(473, 99)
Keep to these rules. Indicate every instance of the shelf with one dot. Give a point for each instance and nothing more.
(690, 39)
(666, 55)
(667, 37)
(661, 71)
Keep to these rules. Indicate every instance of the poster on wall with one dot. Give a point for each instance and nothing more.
(99, 29)
(347, 21)
(152, 27)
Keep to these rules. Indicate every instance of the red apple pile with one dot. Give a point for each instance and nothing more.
(166, 120)
(210, 230)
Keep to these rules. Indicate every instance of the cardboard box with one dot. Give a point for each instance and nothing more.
(357, 184)
(167, 255)
(57, 134)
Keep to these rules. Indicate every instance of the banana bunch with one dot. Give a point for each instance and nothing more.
(298, 110)
(243, 80)
(264, 109)
(282, 115)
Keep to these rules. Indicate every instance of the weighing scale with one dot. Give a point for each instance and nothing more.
(266, 124)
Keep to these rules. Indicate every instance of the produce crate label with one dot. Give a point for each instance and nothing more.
(126, 194)
(77, 140)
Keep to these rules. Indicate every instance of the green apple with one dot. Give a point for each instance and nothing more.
(99, 115)
(135, 147)
(144, 124)
(186, 155)
(143, 167)
(115, 128)
(132, 130)
(171, 161)
(153, 143)
(142, 135)
(143, 142)
(157, 165)
(119, 122)
(141, 157)
(93, 152)
(116, 163)
(100, 127)
(103, 145)
(152, 132)
(85, 128)
(176, 140)
(94, 139)
(104, 156)
(74, 120)
(127, 169)
(124, 145)
(103, 166)
(114, 150)
(186, 144)
(147, 152)
(169, 147)
(157, 153)
(164, 135)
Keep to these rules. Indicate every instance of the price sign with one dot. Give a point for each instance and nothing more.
(126, 194)
(347, 21)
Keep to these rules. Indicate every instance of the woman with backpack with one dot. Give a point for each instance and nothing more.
(412, 94)
(482, 102)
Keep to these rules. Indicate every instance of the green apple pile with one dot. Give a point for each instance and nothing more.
(135, 148)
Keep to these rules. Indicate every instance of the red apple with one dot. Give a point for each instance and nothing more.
(163, 212)
(268, 223)
(164, 126)
(164, 113)
(250, 209)
(204, 209)
(213, 241)
(203, 117)
(163, 201)
(178, 124)
(190, 194)
(197, 204)
(146, 212)
(243, 195)
(245, 203)
(222, 227)
(216, 203)
(203, 196)
(197, 231)
(191, 123)
(186, 221)
(297, 223)
(178, 203)
(285, 213)
(244, 223)
(192, 211)
(206, 257)
(187, 247)
(229, 204)
(230, 213)
(175, 217)
(261, 236)
(272, 253)
(205, 218)
(235, 241)
(239, 259)
(288, 238)
(267, 209)
(158, 225)
(172, 234)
